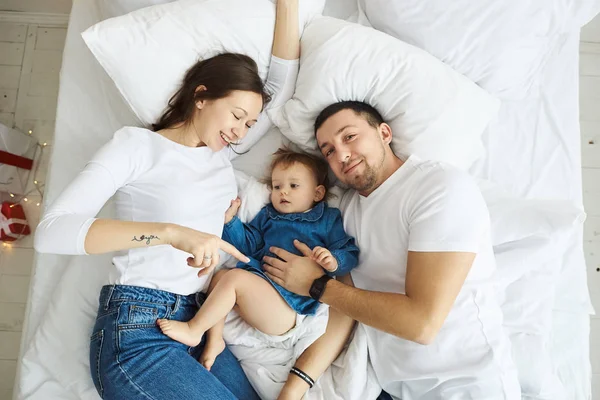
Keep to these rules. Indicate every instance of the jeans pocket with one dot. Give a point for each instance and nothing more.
(96, 342)
(140, 316)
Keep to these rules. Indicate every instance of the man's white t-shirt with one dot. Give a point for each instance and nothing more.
(426, 206)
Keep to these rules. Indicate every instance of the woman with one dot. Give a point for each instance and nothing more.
(172, 187)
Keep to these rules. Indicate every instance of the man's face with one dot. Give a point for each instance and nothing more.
(354, 150)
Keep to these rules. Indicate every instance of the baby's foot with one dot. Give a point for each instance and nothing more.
(180, 331)
(213, 348)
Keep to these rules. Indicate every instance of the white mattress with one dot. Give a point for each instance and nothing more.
(533, 147)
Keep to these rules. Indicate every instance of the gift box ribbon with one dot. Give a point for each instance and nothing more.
(5, 224)
(15, 160)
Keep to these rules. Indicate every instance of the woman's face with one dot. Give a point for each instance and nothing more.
(227, 120)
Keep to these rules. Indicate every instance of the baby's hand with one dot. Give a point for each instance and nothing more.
(324, 258)
(233, 209)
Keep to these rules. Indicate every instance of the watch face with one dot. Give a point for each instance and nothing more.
(314, 291)
(318, 286)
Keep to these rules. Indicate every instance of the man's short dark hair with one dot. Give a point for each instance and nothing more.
(368, 112)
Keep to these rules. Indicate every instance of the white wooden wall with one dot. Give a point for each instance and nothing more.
(37, 6)
(590, 143)
(30, 60)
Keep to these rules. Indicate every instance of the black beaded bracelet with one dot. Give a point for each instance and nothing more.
(302, 375)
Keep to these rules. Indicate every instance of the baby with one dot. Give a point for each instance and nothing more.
(297, 210)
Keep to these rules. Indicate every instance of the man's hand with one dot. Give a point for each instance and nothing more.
(324, 258)
(295, 273)
(233, 209)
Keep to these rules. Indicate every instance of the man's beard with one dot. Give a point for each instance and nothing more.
(364, 182)
(367, 181)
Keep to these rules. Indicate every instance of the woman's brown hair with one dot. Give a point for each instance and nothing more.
(221, 75)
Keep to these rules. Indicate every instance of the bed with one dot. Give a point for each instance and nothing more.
(533, 147)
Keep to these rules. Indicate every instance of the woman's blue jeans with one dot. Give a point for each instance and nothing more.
(130, 358)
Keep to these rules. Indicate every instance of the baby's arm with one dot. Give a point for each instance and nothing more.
(340, 247)
(243, 236)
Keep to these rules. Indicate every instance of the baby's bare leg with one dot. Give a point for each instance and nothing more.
(259, 304)
(214, 345)
(190, 333)
(214, 337)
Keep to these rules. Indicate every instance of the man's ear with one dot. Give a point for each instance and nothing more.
(386, 133)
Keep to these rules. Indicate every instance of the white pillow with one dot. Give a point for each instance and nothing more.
(147, 52)
(433, 111)
(257, 160)
(501, 45)
(527, 233)
(582, 12)
(515, 218)
(115, 8)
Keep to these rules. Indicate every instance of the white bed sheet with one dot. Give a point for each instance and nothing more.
(533, 147)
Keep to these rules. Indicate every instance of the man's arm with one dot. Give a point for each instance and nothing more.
(433, 281)
(319, 356)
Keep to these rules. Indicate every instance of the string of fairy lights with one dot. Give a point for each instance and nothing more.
(38, 187)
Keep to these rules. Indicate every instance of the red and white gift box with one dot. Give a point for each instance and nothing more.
(17, 151)
(13, 224)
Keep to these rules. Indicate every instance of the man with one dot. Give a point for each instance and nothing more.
(422, 287)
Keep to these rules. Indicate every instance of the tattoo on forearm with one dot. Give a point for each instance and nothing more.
(144, 237)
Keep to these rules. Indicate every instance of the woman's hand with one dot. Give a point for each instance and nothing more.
(203, 247)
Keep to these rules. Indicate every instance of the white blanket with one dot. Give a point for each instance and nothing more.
(351, 376)
(267, 360)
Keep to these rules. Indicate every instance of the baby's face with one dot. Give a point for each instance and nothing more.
(294, 190)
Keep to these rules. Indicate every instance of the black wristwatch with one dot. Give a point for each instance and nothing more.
(318, 287)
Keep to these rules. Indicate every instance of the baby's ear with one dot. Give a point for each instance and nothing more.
(320, 193)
